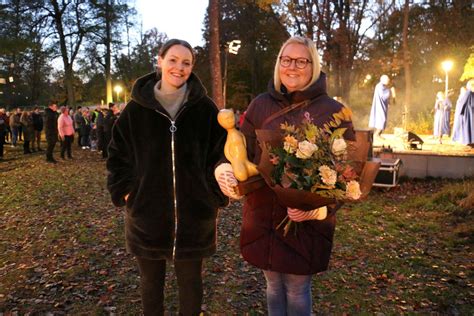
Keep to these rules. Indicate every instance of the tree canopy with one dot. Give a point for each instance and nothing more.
(73, 51)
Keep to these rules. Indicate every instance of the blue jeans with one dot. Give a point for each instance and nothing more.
(288, 294)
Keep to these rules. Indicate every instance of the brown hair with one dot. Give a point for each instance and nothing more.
(172, 42)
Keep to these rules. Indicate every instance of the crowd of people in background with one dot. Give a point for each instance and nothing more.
(92, 129)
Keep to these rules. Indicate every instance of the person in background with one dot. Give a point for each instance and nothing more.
(109, 121)
(66, 132)
(3, 130)
(38, 128)
(456, 131)
(93, 115)
(15, 125)
(93, 134)
(85, 128)
(466, 132)
(20, 126)
(8, 134)
(26, 121)
(442, 116)
(99, 125)
(51, 130)
(288, 262)
(78, 121)
(380, 103)
(164, 147)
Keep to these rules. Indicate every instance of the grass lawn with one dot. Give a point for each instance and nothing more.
(406, 250)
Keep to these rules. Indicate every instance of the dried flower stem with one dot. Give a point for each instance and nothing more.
(288, 223)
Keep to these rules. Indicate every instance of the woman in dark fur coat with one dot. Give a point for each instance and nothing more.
(165, 146)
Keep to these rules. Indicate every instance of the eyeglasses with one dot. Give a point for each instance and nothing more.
(300, 63)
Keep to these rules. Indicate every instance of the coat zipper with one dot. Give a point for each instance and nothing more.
(173, 129)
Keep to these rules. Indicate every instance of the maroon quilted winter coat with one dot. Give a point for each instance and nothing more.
(261, 244)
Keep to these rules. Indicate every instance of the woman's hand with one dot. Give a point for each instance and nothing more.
(226, 179)
(297, 215)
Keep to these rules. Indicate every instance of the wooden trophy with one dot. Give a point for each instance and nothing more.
(235, 150)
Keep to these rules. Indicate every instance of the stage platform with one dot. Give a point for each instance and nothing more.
(432, 159)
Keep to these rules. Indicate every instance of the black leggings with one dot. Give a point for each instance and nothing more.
(152, 282)
(66, 145)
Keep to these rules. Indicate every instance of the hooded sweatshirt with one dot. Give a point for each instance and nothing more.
(166, 166)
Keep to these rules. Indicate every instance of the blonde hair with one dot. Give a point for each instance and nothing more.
(314, 56)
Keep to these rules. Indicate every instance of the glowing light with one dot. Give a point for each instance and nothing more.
(234, 46)
(447, 65)
(118, 89)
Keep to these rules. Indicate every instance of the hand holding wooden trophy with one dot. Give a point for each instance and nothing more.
(250, 178)
(235, 149)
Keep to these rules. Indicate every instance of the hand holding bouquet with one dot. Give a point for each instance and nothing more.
(309, 167)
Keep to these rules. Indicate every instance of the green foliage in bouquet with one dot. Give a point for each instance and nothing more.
(315, 159)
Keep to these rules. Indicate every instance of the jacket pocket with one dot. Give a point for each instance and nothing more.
(131, 197)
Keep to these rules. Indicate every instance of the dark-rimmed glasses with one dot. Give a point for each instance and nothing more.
(300, 63)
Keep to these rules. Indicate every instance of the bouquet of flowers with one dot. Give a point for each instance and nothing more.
(309, 167)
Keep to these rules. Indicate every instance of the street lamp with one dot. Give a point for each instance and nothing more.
(233, 48)
(447, 65)
(117, 90)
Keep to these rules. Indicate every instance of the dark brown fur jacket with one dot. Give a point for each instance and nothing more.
(167, 168)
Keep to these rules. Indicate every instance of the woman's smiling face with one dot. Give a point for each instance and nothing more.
(291, 77)
(176, 67)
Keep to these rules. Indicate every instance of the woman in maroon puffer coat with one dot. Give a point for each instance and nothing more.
(288, 262)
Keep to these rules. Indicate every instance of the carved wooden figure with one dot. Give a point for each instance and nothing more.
(235, 149)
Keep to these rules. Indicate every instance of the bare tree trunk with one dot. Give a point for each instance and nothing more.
(68, 72)
(108, 52)
(215, 57)
(68, 57)
(71, 99)
(406, 65)
(36, 71)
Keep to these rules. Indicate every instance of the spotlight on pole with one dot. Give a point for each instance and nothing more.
(118, 90)
(233, 48)
(447, 65)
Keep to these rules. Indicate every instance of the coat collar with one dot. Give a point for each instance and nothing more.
(317, 89)
(143, 94)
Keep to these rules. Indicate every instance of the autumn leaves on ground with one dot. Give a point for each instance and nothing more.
(404, 250)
